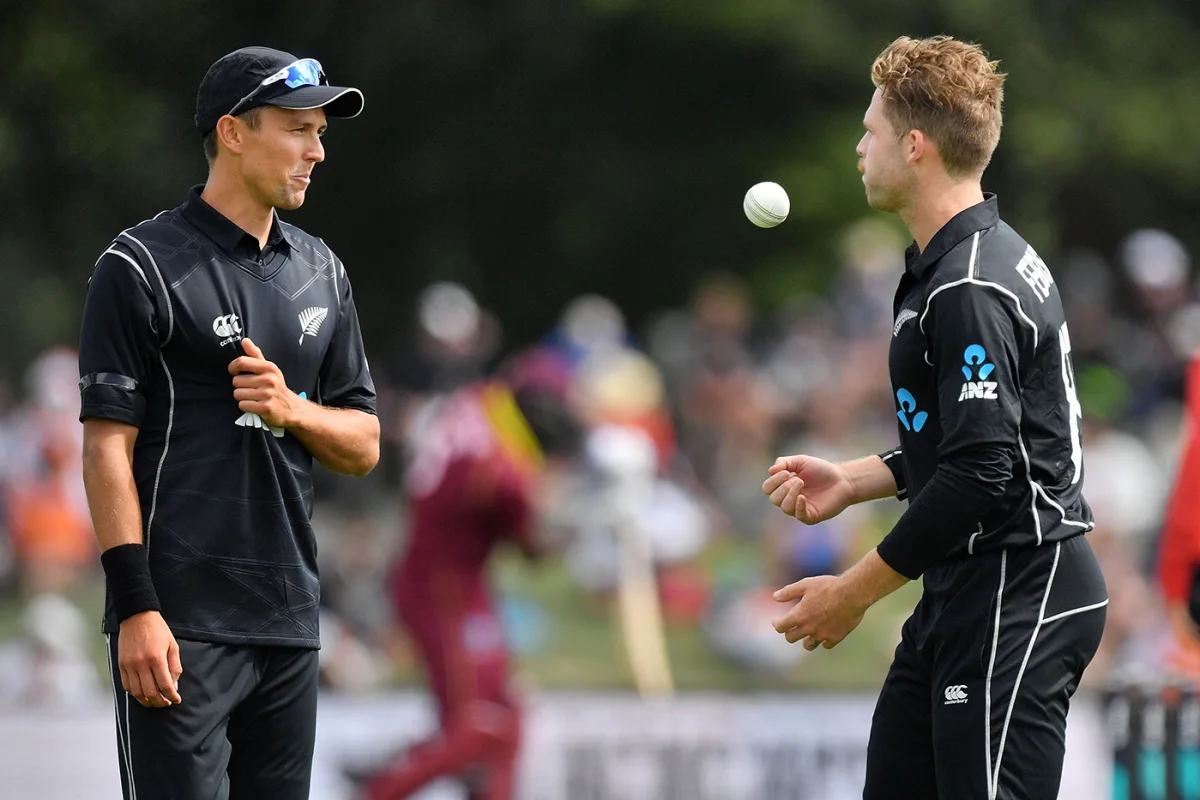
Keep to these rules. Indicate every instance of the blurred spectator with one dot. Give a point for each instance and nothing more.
(794, 550)
(454, 343)
(50, 529)
(727, 407)
(872, 252)
(590, 325)
(669, 517)
(1157, 268)
(1124, 482)
(48, 665)
(356, 620)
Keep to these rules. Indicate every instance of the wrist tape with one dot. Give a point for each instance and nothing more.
(127, 570)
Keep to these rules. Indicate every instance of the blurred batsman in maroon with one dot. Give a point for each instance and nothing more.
(471, 487)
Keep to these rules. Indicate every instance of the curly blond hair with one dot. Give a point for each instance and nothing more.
(947, 89)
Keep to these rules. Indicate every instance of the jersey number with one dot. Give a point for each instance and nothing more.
(1075, 410)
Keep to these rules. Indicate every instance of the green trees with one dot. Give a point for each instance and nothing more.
(536, 149)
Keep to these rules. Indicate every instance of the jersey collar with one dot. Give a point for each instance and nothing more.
(225, 233)
(962, 225)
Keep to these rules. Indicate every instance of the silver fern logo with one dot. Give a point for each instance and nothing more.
(310, 321)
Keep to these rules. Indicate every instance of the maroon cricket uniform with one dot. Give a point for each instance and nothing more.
(469, 489)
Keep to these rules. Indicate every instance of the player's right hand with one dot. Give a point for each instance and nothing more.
(810, 489)
(148, 658)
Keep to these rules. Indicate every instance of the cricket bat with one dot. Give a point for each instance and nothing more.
(627, 459)
(640, 614)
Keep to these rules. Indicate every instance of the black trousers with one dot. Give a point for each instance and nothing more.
(975, 704)
(245, 730)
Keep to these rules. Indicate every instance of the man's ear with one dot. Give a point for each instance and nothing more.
(231, 133)
(916, 146)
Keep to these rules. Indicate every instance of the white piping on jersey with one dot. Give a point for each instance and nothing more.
(987, 686)
(1033, 509)
(333, 262)
(129, 750)
(162, 282)
(1087, 526)
(974, 256)
(132, 262)
(994, 785)
(971, 269)
(122, 746)
(166, 446)
(971, 541)
(126, 255)
(1074, 611)
(170, 387)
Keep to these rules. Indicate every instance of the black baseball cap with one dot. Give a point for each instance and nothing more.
(260, 76)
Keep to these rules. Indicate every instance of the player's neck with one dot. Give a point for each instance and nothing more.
(227, 195)
(934, 206)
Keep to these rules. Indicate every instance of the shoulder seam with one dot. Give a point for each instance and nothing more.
(162, 282)
(112, 250)
(972, 280)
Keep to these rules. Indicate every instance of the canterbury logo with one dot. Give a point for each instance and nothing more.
(956, 694)
(227, 325)
(310, 321)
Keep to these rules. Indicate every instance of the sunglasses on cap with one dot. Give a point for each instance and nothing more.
(304, 72)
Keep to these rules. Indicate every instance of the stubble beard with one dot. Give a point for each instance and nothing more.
(288, 199)
(885, 198)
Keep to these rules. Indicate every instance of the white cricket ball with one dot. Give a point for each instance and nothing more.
(766, 204)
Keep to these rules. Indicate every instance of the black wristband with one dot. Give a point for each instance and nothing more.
(127, 570)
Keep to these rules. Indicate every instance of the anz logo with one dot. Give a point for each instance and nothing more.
(976, 371)
(908, 405)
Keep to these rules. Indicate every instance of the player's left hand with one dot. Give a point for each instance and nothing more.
(825, 615)
(259, 387)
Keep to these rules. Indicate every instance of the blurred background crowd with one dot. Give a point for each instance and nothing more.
(719, 387)
(559, 185)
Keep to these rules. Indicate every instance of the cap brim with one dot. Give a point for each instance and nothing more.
(338, 101)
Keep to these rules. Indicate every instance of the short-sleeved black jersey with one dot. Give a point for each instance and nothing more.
(990, 453)
(226, 502)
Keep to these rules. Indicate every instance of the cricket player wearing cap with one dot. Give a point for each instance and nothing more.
(220, 354)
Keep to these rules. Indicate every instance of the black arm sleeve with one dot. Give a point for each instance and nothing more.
(345, 375)
(118, 340)
(975, 353)
(896, 464)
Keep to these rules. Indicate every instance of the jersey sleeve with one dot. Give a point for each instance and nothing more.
(118, 341)
(974, 348)
(893, 461)
(345, 374)
(511, 509)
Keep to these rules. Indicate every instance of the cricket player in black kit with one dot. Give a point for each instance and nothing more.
(975, 703)
(220, 354)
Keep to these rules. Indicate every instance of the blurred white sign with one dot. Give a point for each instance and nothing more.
(578, 746)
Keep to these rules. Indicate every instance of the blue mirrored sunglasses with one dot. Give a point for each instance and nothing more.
(304, 72)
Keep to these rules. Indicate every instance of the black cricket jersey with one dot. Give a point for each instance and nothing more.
(226, 501)
(990, 453)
